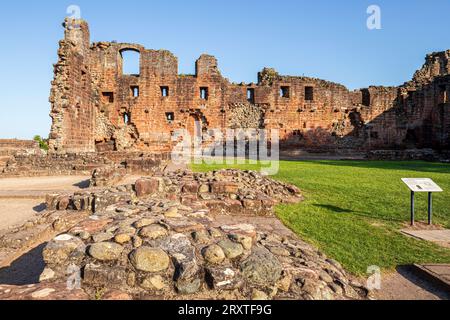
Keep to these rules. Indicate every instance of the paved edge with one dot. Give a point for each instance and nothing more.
(421, 270)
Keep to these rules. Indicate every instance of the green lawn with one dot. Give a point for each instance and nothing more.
(354, 209)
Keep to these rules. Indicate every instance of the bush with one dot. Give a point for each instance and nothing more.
(42, 142)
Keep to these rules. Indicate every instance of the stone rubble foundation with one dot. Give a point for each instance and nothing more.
(165, 238)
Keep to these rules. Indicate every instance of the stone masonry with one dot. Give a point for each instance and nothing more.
(179, 235)
(95, 107)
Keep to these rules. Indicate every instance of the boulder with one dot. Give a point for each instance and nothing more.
(149, 259)
(105, 251)
(213, 254)
(61, 249)
(261, 267)
(153, 231)
(231, 249)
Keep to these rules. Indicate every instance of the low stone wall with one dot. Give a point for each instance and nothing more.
(18, 144)
(82, 164)
(222, 192)
(401, 155)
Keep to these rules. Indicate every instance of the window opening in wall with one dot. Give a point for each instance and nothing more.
(83, 78)
(204, 93)
(130, 62)
(285, 92)
(108, 97)
(126, 118)
(443, 94)
(165, 91)
(170, 117)
(309, 93)
(251, 95)
(135, 91)
(365, 97)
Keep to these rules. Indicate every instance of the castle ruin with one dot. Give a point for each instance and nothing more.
(98, 108)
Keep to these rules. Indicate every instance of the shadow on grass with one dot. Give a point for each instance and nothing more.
(419, 166)
(25, 270)
(337, 209)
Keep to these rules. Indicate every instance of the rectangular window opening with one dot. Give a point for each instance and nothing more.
(285, 92)
(108, 97)
(165, 91)
(309, 93)
(204, 93)
(135, 91)
(443, 94)
(366, 97)
(251, 95)
(170, 117)
(126, 118)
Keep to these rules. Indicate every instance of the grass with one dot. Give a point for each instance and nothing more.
(353, 210)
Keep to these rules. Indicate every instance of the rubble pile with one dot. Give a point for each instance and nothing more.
(162, 238)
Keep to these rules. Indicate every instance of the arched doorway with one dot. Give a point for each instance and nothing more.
(194, 126)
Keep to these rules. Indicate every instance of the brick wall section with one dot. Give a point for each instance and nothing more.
(94, 108)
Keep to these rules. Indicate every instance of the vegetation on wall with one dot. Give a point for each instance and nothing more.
(43, 143)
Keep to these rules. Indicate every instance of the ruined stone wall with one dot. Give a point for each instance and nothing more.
(71, 94)
(14, 144)
(96, 107)
(9, 148)
(53, 164)
(426, 99)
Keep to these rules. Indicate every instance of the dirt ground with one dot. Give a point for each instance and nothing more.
(14, 212)
(14, 186)
(22, 198)
(406, 285)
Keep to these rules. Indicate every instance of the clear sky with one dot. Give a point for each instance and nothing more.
(322, 38)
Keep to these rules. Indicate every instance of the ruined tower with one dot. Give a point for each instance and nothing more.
(71, 94)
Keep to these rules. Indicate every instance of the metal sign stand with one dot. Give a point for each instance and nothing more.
(430, 208)
(422, 185)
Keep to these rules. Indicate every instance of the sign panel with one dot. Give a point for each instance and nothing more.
(421, 185)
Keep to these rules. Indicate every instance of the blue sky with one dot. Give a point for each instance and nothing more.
(322, 38)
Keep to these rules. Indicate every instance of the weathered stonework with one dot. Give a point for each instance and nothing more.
(181, 235)
(95, 107)
(9, 148)
(104, 164)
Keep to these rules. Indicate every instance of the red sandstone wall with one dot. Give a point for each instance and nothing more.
(91, 100)
(71, 94)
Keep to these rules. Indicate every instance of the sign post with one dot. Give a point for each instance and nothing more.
(422, 185)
